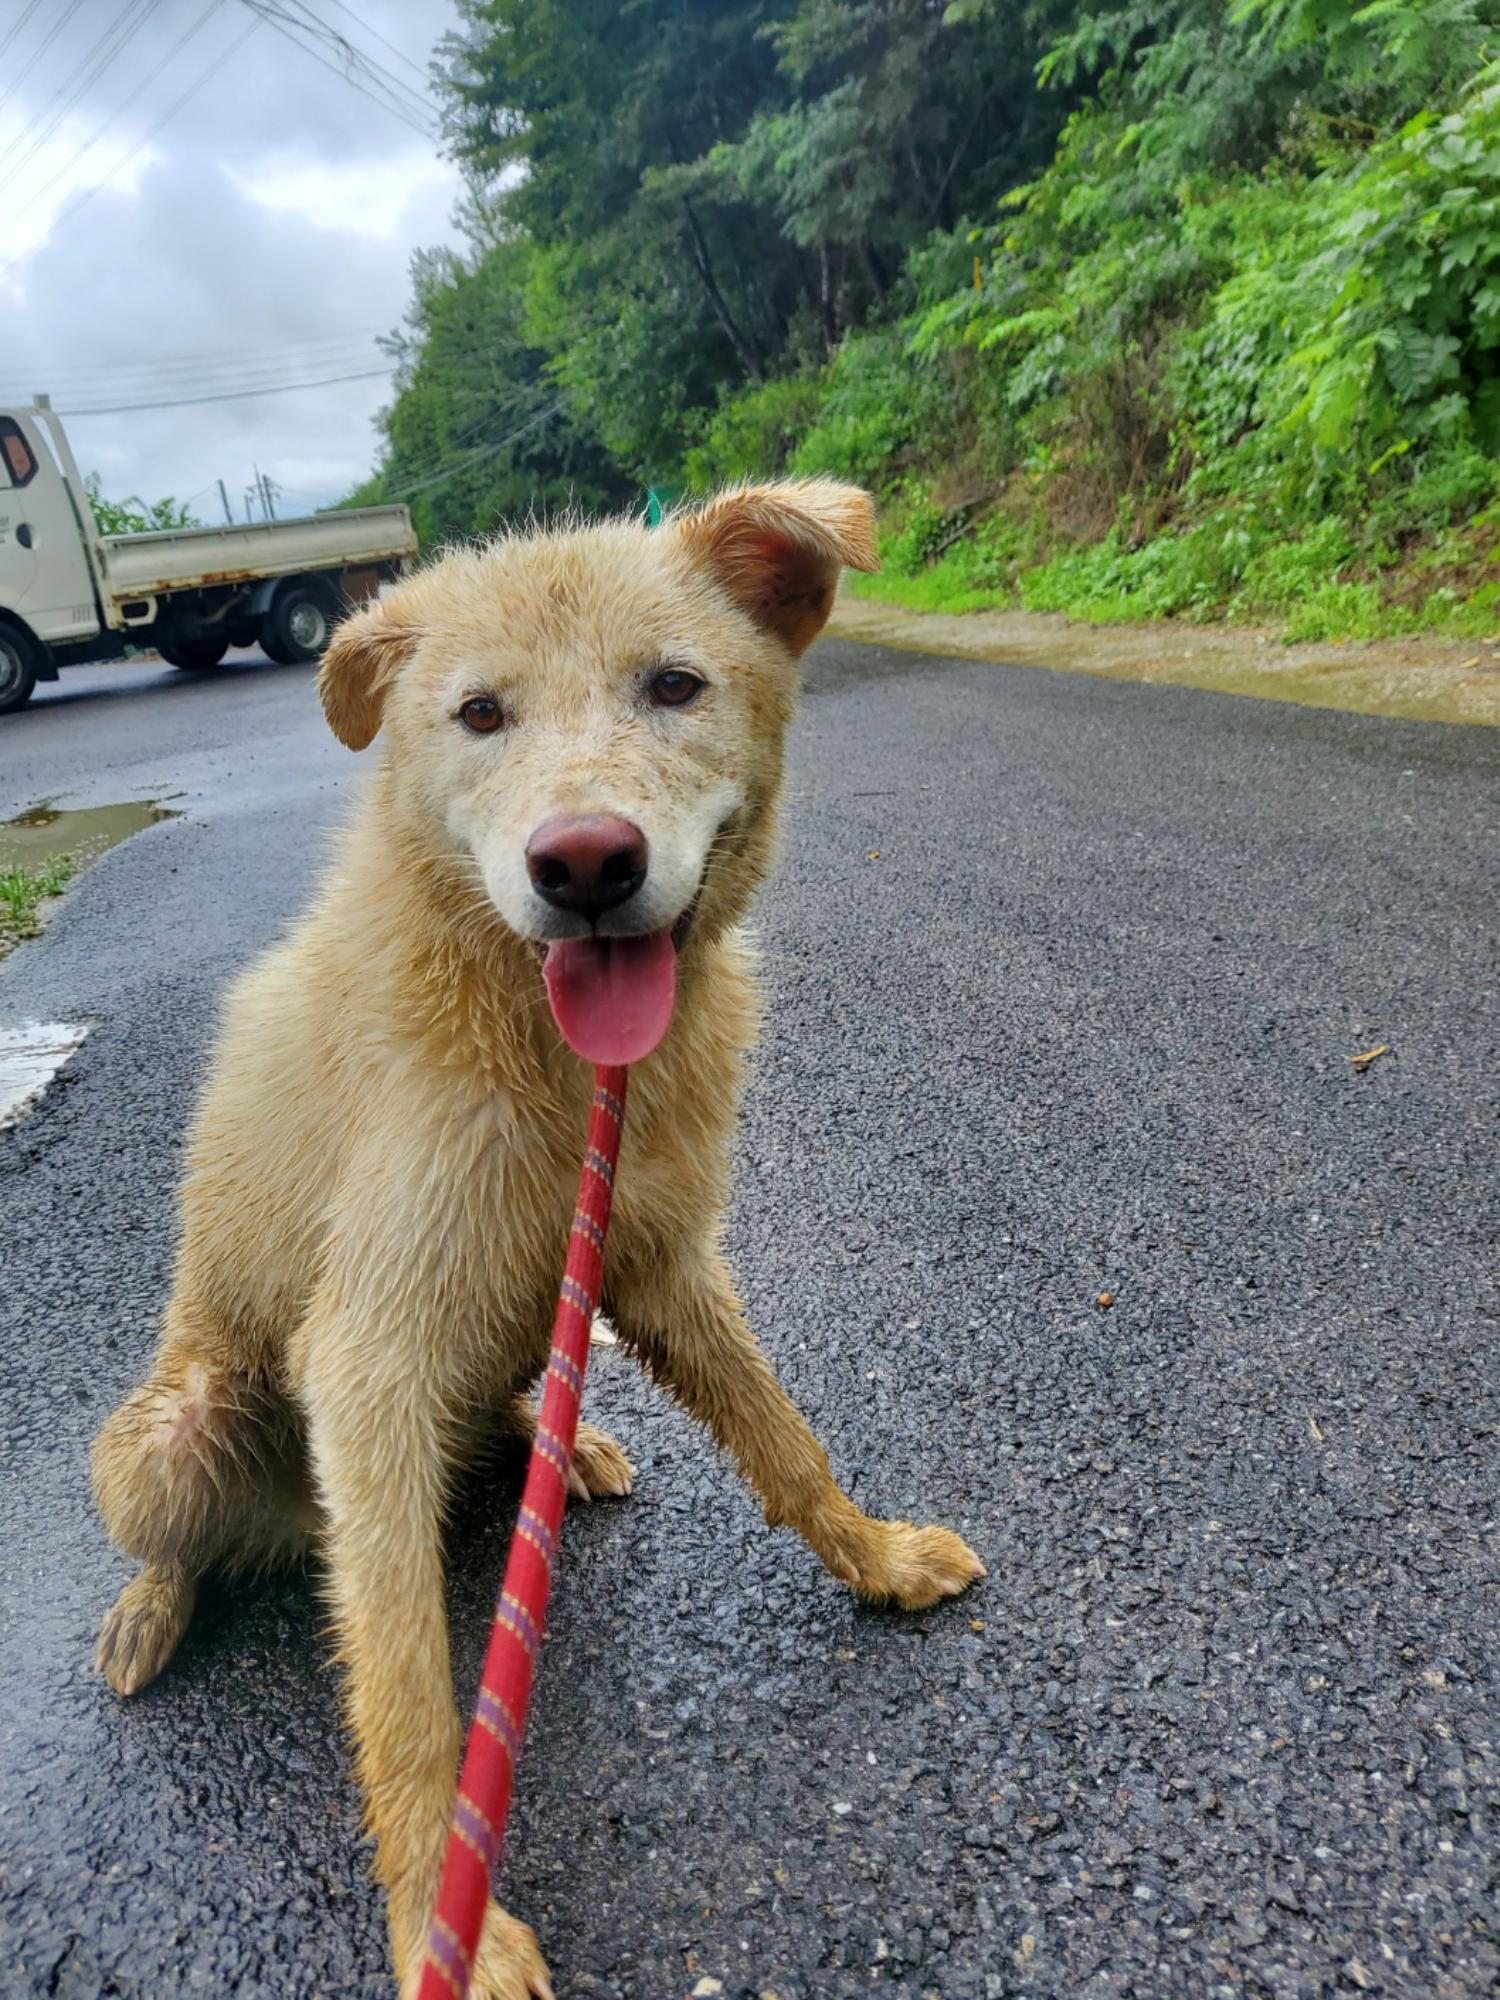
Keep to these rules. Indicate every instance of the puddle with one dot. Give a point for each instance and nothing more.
(29, 1059)
(47, 831)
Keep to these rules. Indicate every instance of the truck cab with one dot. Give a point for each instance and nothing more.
(45, 580)
(68, 593)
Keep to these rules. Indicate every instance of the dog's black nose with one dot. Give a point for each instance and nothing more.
(587, 865)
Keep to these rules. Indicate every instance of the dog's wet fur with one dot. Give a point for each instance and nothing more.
(383, 1165)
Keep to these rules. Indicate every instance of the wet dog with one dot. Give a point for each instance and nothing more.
(574, 804)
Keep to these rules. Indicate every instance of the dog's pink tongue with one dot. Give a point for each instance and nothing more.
(612, 998)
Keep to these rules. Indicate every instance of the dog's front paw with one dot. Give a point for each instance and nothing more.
(896, 1563)
(599, 1466)
(509, 1963)
(507, 1966)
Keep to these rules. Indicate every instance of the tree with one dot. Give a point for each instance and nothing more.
(479, 432)
(132, 515)
(647, 297)
(903, 116)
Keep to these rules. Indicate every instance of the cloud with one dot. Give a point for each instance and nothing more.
(262, 234)
(349, 197)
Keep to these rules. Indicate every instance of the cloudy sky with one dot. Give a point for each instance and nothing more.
(191, 201)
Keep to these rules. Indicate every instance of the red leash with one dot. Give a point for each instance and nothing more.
(495, 1735)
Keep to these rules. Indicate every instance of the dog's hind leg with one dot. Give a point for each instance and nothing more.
(198, 1467)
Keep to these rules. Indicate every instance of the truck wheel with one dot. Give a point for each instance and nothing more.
(299, 623)
(18, 664)
(195, 652)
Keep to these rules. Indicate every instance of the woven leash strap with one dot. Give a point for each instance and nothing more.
(495, 1735)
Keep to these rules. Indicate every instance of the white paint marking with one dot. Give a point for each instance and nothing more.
(30, 1057)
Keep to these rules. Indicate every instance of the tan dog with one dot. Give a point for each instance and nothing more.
(582, 758)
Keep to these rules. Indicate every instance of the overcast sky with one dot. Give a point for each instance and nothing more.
(261, 234)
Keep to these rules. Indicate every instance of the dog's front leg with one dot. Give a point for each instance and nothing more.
(375, 1415)
(681, 1316)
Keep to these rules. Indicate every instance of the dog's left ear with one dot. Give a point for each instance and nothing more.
(358, 668)
(777, 550)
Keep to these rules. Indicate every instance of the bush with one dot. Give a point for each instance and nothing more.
(753, 435)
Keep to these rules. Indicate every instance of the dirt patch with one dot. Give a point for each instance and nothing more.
(1422, 680)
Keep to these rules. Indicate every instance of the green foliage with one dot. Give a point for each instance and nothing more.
(1171, 308)
(24, 889)
(753, 435)
(888, 131)
(1359, 327)
(132, 515)
(1253, 301)
(651, 284)
(688, 200)
(479, 432)
(876, 412)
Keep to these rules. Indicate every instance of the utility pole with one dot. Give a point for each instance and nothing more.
(269, 490)
(223, 495)
(249, 503)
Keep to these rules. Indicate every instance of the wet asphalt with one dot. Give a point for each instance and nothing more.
(1064, 980)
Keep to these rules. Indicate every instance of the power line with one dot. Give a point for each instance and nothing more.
(72, 207)
(436, 455)
(221, 356)
(401, 55)
(109, 49)
(474, 457)
(229, 372)
(133, 387)
(109, 45)
(351, 52)
(40, 50)
(440, 459)
(18, 24)
(223, 396)
(70, 76)
(152, 77)
(78, 396)
(437, 458)
(294, 29)
(219, 383)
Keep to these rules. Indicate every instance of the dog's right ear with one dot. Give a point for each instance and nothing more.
(362, 660)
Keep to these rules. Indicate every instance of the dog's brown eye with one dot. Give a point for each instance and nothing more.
(481, 714)
(674, 687)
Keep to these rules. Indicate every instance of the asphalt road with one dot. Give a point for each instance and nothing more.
(1064, 977)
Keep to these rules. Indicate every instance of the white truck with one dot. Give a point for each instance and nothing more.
(68, 593)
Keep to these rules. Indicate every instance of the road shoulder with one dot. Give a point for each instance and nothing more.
(1420, 680)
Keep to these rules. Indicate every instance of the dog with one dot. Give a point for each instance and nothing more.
(582, 742)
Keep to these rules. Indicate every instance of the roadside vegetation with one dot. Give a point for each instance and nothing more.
(23, 890)
(1185, 308)
(132, 515)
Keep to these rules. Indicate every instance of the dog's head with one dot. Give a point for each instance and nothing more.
(590, 720)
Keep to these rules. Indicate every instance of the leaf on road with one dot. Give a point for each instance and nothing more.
(1362, 1061)
(1105, 1300)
